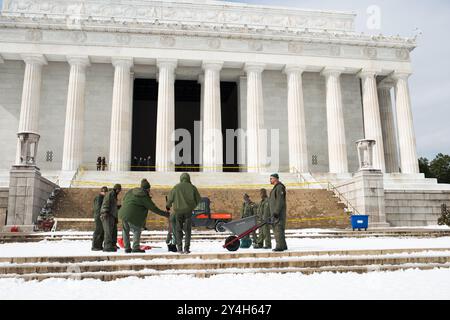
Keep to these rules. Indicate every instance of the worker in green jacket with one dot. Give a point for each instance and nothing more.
(133, 213)
(109, 217)
(184, 198)
(263, 213)
(249, 209)
(97, 239)
(277, 203)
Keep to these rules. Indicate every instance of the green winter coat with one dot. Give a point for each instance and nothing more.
(97, 206)
(109, 205)
(184, 196)
(248, 209)
(277, 200)
(135, 206)
(263, 210)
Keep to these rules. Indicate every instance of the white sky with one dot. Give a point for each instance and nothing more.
(430, 83)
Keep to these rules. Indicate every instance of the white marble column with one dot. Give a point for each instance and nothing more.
(372, 118)
(405, 125)
(165, 128)
(337, 145)
(255, 116)
(201, 81)
(31, 96)
(121, 125)
(388, 126)
(74, 128)
(298, 151)
(212, 119)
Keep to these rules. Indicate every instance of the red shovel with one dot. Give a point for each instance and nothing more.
(145, 248)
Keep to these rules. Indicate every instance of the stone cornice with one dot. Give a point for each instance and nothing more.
(186, 11)
(219, 31)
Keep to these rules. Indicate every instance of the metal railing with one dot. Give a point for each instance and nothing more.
(342, 198)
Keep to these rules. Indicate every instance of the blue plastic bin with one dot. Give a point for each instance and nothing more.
(360, 222)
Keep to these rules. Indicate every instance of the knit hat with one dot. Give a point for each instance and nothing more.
(117, 187)
(275, 175)
(145, 184)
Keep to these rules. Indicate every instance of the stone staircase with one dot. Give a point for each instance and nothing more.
(204, 235)
(112, 267)
(307, 208)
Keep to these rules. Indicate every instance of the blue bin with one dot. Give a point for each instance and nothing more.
(360, 222)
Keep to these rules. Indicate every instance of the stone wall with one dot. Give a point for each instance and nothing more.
(414, 208)
(306, 208)
(3, 206)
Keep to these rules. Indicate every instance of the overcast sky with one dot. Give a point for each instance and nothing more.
(430, 83)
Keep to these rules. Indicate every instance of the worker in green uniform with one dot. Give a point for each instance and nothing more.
(133, 213)
(263, 213)
(109, 217)
(97, 239)
(248, 209)
(184, 197)
(277, 204)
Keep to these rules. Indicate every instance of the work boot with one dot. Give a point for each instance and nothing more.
(278, 250)
(267, 248)
(110, 250)
(180, 249)
(97, 249)
(138, 251)
(186, 251)
(257, 246)
(128, 250)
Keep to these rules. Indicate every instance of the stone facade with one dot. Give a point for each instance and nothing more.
(254, 45)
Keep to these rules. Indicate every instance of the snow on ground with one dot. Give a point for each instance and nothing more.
(410, 284)
(82, 247)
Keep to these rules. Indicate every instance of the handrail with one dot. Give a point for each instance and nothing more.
(342, 198)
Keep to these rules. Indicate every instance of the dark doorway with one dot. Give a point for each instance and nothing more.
(145, 108)
(229, 97)
(187, 112)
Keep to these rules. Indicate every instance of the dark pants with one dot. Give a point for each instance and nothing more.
(99, 234)
(183, 222)
(110, 232)
(279, 232)
(126, 228)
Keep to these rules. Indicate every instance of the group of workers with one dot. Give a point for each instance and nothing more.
(181, 202)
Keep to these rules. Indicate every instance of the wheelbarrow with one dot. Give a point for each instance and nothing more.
(241, 229)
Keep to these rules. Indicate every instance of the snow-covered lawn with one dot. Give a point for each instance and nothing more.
(410, 284)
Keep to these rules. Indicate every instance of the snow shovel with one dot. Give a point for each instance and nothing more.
(145, 248)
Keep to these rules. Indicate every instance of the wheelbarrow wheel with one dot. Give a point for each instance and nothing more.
(234, 246)
(219, 226)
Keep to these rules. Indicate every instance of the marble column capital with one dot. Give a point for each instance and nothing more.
(122, 62)
(212, 65)
(82, 61)
(332, 71)
(254, 67)
(37, 59)
(400, 75)
(170, 64)
(368, 73)
(291, 68)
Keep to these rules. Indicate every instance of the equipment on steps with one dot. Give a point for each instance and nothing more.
(241, 229)
(360, 222)
(145, 248)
